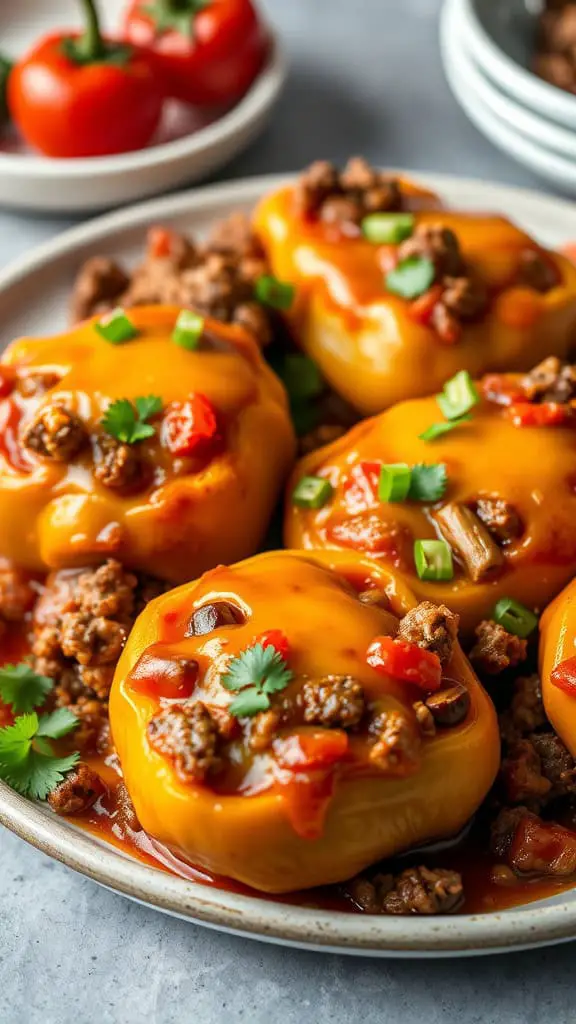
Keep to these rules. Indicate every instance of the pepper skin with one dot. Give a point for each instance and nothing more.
(557, 645)
(190, 512)
(532, 468)
(366, 342)
(279, 830)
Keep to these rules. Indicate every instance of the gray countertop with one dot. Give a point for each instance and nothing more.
(366, 78)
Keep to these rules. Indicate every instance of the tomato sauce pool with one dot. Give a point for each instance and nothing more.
(112, 819)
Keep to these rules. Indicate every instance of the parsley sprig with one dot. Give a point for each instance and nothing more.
(255, 673)
(27, 761)
(22, 688)
(127, 421)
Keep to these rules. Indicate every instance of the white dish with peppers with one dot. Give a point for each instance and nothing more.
(131, 104)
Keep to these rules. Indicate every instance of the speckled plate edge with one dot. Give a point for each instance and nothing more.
(544, 923)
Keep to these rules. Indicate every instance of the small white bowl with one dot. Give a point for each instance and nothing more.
(506, 73)
(493, 114)
(32, 182)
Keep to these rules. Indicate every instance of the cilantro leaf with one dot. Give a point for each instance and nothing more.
(127, 422)
(256, 672)
(428, 483)
(33, 771)
(22, 688)
(57, 724)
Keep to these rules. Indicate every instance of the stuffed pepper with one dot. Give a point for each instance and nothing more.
(394, 295)
(133, 437)
(558, 664)
(470, 494)
(290, 720)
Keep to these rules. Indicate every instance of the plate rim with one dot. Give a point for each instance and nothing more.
(246, 915)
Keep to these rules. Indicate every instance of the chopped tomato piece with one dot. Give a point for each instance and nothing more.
(501, 388)
(421, 309)
(308, 750)
(277, 639)
(362, 484)
(405, 661)
(160, 242)
(547, 414)
(306, 799)
(6, 382)
(564, 676)
(159, 675)
(190, 426)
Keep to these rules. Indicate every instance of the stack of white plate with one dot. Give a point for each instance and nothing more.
(487, 47)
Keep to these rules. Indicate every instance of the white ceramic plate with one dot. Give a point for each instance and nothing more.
(33, 298)
(29, 181)
(515, 79)
(529, 139)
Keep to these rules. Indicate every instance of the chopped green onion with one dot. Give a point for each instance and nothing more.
(274, 293)
(388, 228)
(459, 396)
(116, 327)
(312, 492)
(302, 378)
(394, 482)
(514, 617)
(433, 560)
(437, 429)
(188, 330)
(411, 278)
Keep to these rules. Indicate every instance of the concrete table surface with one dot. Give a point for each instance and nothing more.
(366, 78)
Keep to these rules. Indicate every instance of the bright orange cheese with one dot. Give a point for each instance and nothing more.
(558, 644)
(532, 468)
(365, 340)
(191, 514)
(265, 826)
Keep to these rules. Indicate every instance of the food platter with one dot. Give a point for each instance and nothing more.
(34, 295)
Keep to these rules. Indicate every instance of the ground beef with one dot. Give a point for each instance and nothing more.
(531, 846)
(496, 649)
(557, 764)
(235, 235)
(345, 197)
(99, 286)
(500, 518)
(463, 297)
(555, 59)
(521, 776)
(396, 747)
(79, 790)
(264, 729)
(320, 436)
(55, 433)
(504, 828)
(526, 711)
(431, 626)
(537, 271)
(79, 628)
(417, 890)
(333, 702)
(437, 244)
(117, 466)
(33, 383)
(550, 381)
(188, 736)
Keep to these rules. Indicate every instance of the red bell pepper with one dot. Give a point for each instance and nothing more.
(564, 676)
(406, 662)
(208, 51)
(81, 95)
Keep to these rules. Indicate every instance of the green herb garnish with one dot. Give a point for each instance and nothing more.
(394, 482)
(428, 482)
(276, 294)
(411, 278)
(433, 560)
(22, 688)
(459, 396)
(127, 422)
(388, 228)
(27, 762)
(438, 429)
(312, 492)
(116, 327)
(514, 617)
(188, 330)
(255, 673)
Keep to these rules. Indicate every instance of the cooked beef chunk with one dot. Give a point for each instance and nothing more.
(91, 641)
(537, 271)
(345, 197)
(264, 729)
(437, 244)
(531, 846)
(521, 776)
(500, 518)
(464, 297)
(504, 827)
(470, 539)
(550, 381)
(555, 59)
(557, 764)
(55, 433)
(433, 627)
(235, 235)
(79, 790)
(98, 287)
(417, 890)
(188, 736)
(333, 701)
(526, 712)
(31, 383)
(496, 649)
(116, 465)
(396, 746)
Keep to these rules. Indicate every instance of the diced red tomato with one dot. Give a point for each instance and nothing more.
(421, 309)
(157, 675)
(306, 799)
(277, 639)
(405, 661)
(190, 427)
(564, 676)
(309, 750)
(546, 414)
(362, 484)
(160, 242)
(501, 388)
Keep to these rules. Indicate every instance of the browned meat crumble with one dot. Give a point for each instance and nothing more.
(335, 702)
(433, 627)
(550, 381)
(495, 649)
(345, 197)
(79, 790)
(55, 433)
(417, 890)
(189, 736)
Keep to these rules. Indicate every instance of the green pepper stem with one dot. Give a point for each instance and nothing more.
(92, 43)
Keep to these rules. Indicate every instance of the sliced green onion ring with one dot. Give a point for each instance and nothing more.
(116, 327)
(312, 492)
(394, 482)
(388, 228)
(276, 294)
(459, 396)
(433, 560)
(188, 330)
(514, 617)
